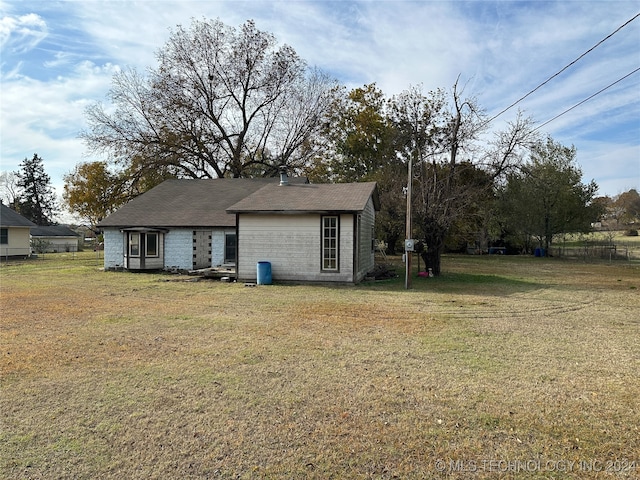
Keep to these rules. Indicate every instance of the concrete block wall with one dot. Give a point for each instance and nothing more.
(113, 249)
(178, 249)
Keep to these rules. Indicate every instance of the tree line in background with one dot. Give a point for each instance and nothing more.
(231, 102)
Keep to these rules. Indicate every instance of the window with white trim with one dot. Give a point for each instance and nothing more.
(4, 236)
(134, 244)
(330, 237)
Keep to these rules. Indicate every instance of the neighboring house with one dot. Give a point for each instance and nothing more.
(55, 238)
(307, 232)
(14, 233)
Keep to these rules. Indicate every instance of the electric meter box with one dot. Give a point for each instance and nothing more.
(409, 245)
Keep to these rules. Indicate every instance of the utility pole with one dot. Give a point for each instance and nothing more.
(408, 243)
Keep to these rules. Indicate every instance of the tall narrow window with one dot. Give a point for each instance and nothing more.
(230, 248)
(4, 236)
(151, 245)
(330, 243)
(134, 244)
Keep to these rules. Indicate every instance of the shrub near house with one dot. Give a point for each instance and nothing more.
(56, 238)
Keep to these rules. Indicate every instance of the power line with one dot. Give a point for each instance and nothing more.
(569, 65)
(587, 99)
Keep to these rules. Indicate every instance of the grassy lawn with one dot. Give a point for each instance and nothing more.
(504, 367)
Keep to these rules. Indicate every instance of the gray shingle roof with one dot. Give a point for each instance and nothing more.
(53, 231)
(10, 218)
(188, 203)
(328, 197)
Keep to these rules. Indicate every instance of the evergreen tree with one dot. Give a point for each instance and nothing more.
(547, 197)
(36, 200)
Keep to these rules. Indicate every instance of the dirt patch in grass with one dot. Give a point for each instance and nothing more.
(117, 375)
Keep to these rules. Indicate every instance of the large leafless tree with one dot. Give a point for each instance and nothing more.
(222, 102)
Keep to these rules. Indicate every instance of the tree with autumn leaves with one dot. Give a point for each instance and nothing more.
(92, 191)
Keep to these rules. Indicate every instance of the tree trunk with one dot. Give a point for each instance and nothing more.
(392, 240)
(547, 235)
(431, 257)
(433, 253)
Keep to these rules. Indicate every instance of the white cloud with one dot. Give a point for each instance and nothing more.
(46, 117)
(22, 33)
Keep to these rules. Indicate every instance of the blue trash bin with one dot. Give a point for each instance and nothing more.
(264, 273)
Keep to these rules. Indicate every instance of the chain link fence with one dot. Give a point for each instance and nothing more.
(595, 250)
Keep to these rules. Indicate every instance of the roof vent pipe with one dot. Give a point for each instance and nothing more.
(284, 180)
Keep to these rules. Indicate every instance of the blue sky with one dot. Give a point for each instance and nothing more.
(57, 57)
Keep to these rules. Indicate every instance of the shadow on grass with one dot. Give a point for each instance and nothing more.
(478, 280)
(459, 283)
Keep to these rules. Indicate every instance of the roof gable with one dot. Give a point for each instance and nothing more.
(326, 197)
(10, 218)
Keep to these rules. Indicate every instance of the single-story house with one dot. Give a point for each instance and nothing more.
(14, 233)
(307, 232)
(55, 238)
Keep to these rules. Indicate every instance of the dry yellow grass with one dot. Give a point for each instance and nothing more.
(503, 368)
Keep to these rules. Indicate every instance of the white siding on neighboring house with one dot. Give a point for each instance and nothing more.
(178, 249)
(57, 244)
(18, 242)
(292, 244)
(113, 248)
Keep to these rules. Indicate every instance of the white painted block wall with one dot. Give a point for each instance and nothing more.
(113, 248)
(178, 249)
(217, 246)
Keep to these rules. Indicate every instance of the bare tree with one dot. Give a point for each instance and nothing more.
(509, 148)
(222, 102)
(9, 190)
